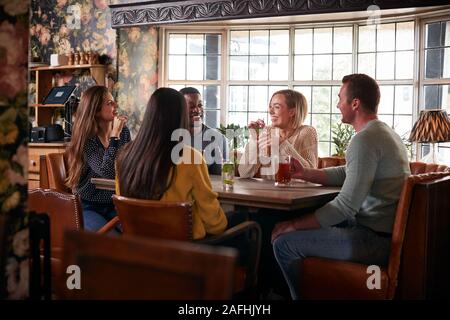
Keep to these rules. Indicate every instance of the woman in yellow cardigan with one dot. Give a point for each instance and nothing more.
(149, 167)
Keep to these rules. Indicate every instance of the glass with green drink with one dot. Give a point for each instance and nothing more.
(227, 175)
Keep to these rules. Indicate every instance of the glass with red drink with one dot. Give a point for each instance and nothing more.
(283, 175)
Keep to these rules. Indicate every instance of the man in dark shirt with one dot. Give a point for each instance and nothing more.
(203, 138)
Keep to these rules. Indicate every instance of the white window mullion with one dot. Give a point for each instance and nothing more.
(224, 77)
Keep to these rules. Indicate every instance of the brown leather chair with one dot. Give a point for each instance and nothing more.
(173, 220)
(65, 213)
(138, 268)
(422, 167)
(322, 278)
(325, 162)
(53, 172)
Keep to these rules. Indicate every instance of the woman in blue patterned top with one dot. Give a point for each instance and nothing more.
(98, 133)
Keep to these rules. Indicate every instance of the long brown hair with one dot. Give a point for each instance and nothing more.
(85, 126)
(144, 165)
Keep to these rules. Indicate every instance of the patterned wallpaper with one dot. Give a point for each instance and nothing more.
(138, 74)
(13, 148)
(57, 26)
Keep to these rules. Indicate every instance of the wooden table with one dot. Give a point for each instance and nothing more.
(261, 193)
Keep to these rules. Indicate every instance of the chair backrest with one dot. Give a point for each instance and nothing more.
(401, 218)
(57, 171)
(422, 167)
(325, 162)
(152, 218)
(139, 268)
(64, 210)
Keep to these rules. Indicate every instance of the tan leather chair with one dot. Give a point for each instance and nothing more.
(141, 268)
(422, 167)
(322, 278)
(173, 220)
(325, 162)
(65, 213)
(53, 172)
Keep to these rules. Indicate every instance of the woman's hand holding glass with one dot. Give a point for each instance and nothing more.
(255, 127)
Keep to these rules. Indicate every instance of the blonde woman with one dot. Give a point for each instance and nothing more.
(98, 134)
(288, 110)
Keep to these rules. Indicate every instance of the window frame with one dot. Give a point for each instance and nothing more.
(418, 81)
(421, 148)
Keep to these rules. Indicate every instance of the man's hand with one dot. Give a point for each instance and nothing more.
(305, 222)
(297, 169)
(282, 227)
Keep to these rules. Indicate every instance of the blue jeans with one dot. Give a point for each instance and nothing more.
(353, 243)
(97, 215)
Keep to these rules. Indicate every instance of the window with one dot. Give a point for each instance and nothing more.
(386, 53)
(252, 63)
(194, 60)
(436, 74)
(322, 55)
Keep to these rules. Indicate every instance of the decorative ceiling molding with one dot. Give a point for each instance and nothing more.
(135, 13)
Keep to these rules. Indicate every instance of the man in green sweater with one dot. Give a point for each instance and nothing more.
(357, 224)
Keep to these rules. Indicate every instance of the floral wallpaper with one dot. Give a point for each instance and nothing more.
(58, 26)
(138, 74)
(13, 147)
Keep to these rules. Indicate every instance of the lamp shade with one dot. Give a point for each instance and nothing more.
(432, 126)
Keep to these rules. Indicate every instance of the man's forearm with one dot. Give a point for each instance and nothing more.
(313, 175)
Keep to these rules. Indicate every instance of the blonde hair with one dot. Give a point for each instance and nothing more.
(295, 100)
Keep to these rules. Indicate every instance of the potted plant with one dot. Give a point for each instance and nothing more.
(342, 134)
(240, 137)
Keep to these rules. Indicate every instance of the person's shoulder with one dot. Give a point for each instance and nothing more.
(371, 135)
(206, 128)
(125, 134)
(216, 132)
(373, 130)
(306, 130)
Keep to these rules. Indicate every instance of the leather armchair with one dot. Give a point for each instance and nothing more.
(65, 213)
(422, 167)
(325, 162)
(322, 278)
(137, 268)
(173, 220)
(57, 173)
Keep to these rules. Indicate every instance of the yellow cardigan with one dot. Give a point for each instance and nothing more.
(192, 183)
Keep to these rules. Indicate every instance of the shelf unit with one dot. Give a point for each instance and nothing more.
(44, 80)
(44, 113)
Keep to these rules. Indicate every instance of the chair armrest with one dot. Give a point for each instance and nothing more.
(231, 233)
(109, 226)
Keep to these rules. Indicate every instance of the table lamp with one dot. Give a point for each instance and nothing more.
(433, 126)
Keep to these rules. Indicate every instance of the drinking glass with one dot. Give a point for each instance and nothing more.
(283, 175)
(227, 175)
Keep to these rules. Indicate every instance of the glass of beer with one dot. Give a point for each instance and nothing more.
(283, 175)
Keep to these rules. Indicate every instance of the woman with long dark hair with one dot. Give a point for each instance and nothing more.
(98, 133)
(146, 170)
